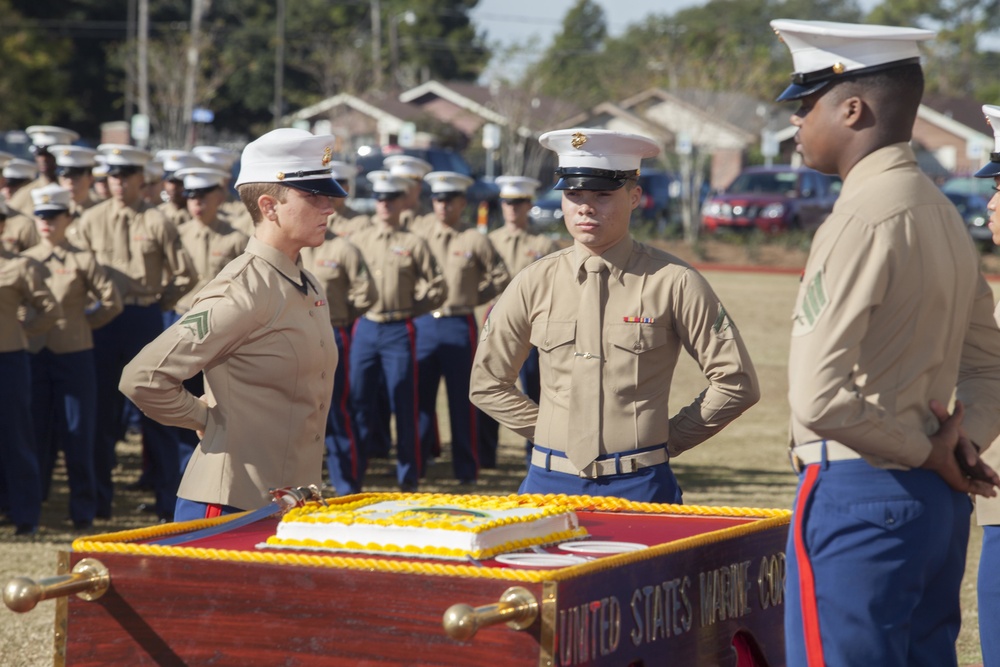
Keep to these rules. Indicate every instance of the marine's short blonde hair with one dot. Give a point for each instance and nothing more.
(251, 192)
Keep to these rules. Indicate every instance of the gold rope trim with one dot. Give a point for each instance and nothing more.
(118, 543)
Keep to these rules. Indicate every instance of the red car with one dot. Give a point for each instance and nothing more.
(772, 199)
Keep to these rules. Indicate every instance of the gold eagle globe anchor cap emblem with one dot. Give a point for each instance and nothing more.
(579, 139)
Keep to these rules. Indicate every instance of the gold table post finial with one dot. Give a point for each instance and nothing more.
(517, 607)
(89, 580)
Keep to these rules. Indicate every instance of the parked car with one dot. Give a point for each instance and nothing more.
(441, 159)
(970, 185)
(772, 199)
(546, 214)
(655, 204)
(974, 213)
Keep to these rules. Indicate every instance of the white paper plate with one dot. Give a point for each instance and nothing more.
(598, 547)
(539, 560)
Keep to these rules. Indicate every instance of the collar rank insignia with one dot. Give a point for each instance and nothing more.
(196, 324)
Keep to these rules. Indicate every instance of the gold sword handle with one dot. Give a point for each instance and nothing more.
(89, 580)
(517, 607)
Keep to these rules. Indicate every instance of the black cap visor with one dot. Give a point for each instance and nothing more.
(317, 186)
(388, 196)
(807, 83)
(588, 178)
(124, 170)
(991, 169)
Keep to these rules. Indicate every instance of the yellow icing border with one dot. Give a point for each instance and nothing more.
(118, 543)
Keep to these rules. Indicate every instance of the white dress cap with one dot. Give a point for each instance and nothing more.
(51, 198)
(407, 165)
(291, 157)
(6, 157)
(823, 51)
(123, 155)
(153, 171)
(67, 155)
(517, 187)
(448, 182)
(100, 169)
(992, 168)
(20, 169)
(215, 156)
(591, 159)
(173, 160)
(46, 135)
(385, 182)
(342, 171)
(201, 178)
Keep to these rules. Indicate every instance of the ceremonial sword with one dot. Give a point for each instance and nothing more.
(282, 500)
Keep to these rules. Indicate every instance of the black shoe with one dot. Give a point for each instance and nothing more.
(25, 529)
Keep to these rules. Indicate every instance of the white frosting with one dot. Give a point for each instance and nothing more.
(530, 523)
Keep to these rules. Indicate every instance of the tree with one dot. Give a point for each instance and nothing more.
(567, 67)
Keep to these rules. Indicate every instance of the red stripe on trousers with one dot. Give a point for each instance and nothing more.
(473, 413)
(412, 332)
(345, 339)
(807, 583)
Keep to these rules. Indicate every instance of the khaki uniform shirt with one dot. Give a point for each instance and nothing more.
(656, 307)
(174, 213)
(347, 222)
(211, 248)
(238, 217)
(22, 200)
(261, 333)
(520, 247)
(19, 233)
(892, 312)
(23, 289)
(988, 509)
(343, 276)
(407, 279)
(144, 257)
(472, 268)
(88, 297)
(417, 223)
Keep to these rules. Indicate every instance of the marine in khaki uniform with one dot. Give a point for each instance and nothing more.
(74, 171)
(22, 289)
(235, 212)
(988, 509)
(415, 215)
(261, 333)
(518, 246)
(63, 374)
(350, 291)
(212, 242)
(19, 233)
(892, 318)
(409, 283)
(609, 316)
(42, 136)
(141, 252)
(172, 202)
(345, 220)
(446, 338)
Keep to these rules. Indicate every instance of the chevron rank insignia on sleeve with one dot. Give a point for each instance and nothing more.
(195, 325)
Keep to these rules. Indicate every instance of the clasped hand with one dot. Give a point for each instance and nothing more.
(956, 458)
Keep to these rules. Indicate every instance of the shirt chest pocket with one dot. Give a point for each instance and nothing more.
(554, 341)
(636, 365)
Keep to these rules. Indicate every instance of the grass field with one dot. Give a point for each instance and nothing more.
(745, 465)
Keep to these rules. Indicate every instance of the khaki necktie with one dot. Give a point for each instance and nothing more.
(122, 254)
(585, 389)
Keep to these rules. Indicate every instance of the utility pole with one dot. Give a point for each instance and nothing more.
(129, 71)
(193, 61)
(279, 64)
(143, 46)
(377, 43)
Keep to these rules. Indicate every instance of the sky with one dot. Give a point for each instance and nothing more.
(535, 22)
